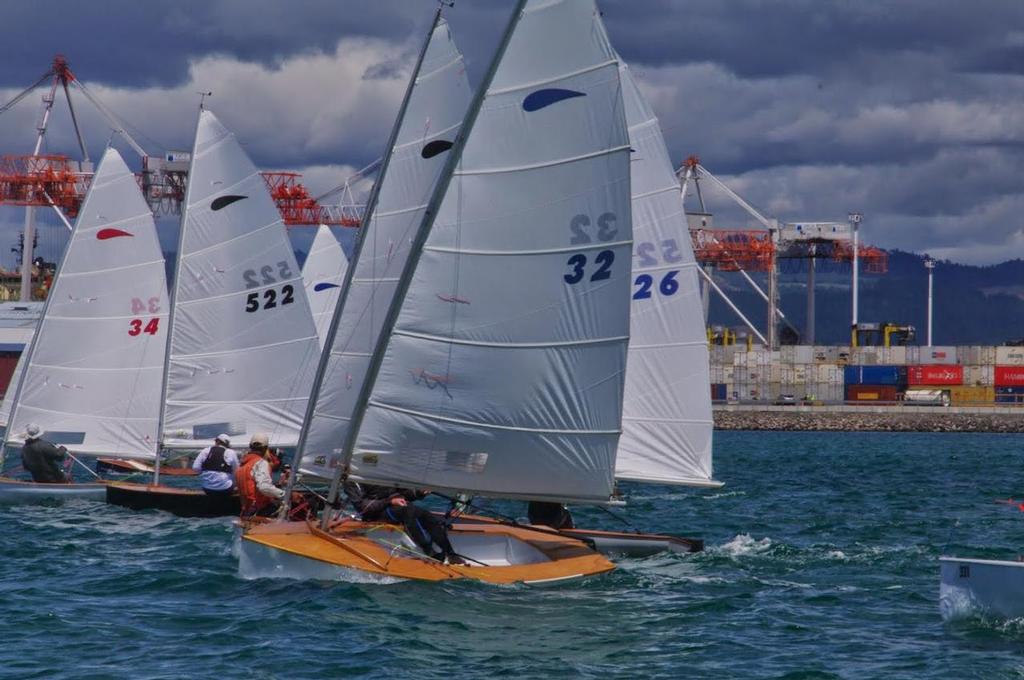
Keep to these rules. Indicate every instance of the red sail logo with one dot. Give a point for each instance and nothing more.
(104, 234)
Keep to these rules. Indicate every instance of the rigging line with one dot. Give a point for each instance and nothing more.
(625, 521)
(88, 469)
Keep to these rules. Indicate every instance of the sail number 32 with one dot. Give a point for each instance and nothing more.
(584, 231)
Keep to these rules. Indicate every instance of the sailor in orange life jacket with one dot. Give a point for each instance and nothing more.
(260, 497)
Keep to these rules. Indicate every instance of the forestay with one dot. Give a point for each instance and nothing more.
(438, 100)
(323, 274)
(504, 372)
(93, 370)
(666, 420)
(243, 346)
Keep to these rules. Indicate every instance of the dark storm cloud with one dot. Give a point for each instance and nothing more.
(139, 43)
(911, 111)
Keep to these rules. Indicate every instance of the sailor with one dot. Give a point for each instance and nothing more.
(398, 506)
(260, 496)
(554, 515)
(216, 466)
(42, 459)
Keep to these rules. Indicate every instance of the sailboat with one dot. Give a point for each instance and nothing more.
(91, 374)
(667, 424)
(499, 369)
(241, 346)
(323, 274)
(971, 586)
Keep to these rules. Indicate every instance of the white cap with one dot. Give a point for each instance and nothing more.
(259, 439)
(33, 430)
(223, 439)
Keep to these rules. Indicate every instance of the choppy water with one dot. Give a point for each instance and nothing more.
(821, 562)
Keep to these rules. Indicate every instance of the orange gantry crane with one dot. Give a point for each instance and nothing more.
(36, 180)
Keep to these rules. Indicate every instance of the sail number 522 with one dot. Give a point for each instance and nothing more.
(252, 301)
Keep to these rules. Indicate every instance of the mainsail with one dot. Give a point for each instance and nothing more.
(503, 373)
(92, 374)
(323, 275)
(242, 347)
(666, 420)
(436, 102)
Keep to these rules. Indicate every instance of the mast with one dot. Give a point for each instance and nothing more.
(172, 295)
(368, 210)
(416, 250)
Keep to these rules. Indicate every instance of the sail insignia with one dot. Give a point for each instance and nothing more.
(104, 234)
(540, 99)
(222, 202)
(435, 148)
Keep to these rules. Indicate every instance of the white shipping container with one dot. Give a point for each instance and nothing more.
(979, 375)
(913, 356)
(864, 356)
(788, 354)
(937, 355)
(988, 356)
(729, 373)
(1010, 356)
(897, 356)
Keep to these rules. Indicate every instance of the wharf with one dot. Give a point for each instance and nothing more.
(874, 418)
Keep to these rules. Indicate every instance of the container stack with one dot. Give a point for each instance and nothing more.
(960, 376)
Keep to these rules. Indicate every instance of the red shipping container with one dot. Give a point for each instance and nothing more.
(1009, 376)
(865, 393)
(935, 374)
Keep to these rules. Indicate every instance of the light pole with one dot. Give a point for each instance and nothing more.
(855, 219)
(929, 264)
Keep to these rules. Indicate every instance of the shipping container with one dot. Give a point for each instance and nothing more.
(936, 355)
(1009, 376)
(1010, 395)
(875, 375)
(864, 356)
(1010, 356)
(873, 393)
(804, 354)
(979, 375)
(896, 356)
(967, 395)
(719, 392)
(936, 374)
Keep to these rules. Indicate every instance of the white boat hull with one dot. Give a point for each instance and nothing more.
(259, 561)
(17, 492)
(974, 586)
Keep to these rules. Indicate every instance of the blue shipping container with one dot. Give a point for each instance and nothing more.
(719, 392)
(875, 375)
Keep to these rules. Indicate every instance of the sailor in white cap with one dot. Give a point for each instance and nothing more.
(41, 458)
(217, 466)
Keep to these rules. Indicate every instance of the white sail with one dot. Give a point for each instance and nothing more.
(92, 374)
(504, 372)
(243, 346)
(437, 103)
(666, 419)
(323, 274)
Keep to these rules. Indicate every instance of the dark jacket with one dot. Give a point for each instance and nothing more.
(371, 501)
(43, 460)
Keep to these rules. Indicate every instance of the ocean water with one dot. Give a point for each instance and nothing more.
(821, 562)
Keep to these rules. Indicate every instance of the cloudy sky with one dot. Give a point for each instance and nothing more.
(909, 111)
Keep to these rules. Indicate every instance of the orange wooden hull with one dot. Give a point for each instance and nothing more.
(378, 549)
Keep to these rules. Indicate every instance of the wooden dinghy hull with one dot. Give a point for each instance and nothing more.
(131, 467)
(175, 500)
(969, 587)
(497, 554)
(17, 492)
